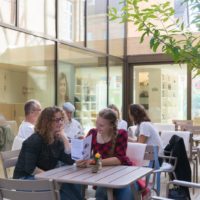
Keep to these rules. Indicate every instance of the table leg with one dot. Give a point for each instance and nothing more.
(83, 191)
(110, 193)
(135, 192)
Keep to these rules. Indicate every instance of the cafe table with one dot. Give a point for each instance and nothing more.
(110, 177)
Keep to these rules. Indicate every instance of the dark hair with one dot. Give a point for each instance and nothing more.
(138, 113)
(44, 122)
(30, 105)
(114, 107)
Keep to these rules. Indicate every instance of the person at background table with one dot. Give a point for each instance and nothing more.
(45, 148)
(145, 131)
(32, 109)
(121, 124)
(72, 128)
(111, 144)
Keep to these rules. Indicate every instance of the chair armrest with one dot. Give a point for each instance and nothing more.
(181, 183)
(159, 198)
(185, 183)
(170, 158)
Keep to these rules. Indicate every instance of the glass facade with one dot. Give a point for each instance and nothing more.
(82, 80)
(26, 70)
(97, 25)
(71, 21)
(67, 50)
(115, 82)
(196, 99)
(116, 33)
(157, 88)
(37, 16)
(36, 53)
(7, 11)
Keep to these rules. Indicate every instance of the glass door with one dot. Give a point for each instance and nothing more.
(162, 90)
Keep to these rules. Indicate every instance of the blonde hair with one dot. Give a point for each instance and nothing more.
(111, 116)
(44, 123)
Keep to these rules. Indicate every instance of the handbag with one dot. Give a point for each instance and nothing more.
(178, 193)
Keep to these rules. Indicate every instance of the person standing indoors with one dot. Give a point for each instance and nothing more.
(121, 124)
(111, 144)
(72, 128)
(45, 148)
(145, 131)
(32, 110)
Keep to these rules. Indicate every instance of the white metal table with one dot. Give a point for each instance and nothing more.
(109, 176)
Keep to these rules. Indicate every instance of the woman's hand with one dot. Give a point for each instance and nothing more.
(65, 141)
(37, 171)
(83, 163)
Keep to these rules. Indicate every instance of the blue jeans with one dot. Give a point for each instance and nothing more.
(120, 194)
(67, 191)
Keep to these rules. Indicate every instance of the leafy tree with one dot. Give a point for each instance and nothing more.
(172, 34)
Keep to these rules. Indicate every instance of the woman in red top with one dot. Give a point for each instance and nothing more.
(111, 144)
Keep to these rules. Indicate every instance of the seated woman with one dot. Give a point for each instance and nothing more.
(111, 144)
(145, 131)
(45, 148)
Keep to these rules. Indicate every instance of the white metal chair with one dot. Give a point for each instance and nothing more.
(188, 141)
(180, 123)
(176, 183)
(141, 155)
(17, 189)
(164, 127)
(8, 159)
(195, 130)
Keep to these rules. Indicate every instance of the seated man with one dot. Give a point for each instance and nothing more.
(32, 109)
(73, 128)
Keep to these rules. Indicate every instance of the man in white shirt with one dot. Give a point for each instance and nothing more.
(73, 128)
(32, 109)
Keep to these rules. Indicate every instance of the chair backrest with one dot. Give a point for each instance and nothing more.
(180, 123)
(186, 135)
(136, 152)
(194, 129)
(8, 159)
(164, 127)
(141, 153)
(17, 189)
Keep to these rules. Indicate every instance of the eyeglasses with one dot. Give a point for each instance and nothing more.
(57, 120)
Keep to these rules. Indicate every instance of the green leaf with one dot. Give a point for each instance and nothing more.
(156, 44)
(152, 42)
(142, 37)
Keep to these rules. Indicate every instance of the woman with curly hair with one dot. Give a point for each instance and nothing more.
(45, 148)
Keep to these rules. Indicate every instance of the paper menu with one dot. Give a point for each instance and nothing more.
(81, 148)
